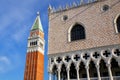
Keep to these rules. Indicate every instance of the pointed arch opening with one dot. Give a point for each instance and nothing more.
(63, 72)
(76, 32)
(54, 72)
(92, 70)
(115, 68)
(82, 70)
(103, 69)
(73, 72)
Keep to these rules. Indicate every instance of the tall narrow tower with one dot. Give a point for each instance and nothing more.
(34, 69)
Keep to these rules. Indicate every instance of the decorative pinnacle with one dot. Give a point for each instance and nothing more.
(50, 8)
(67, 6)
(81, 2)
(89, 1)
(60, 8)
(74, 4)
(54, 9)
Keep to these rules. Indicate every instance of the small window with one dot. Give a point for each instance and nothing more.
(118, 24)
(105, 7)
(33, 43)
(65, 17)
(77, 32)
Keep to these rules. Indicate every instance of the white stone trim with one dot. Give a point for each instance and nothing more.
(100, 50)
(115, 24)
(113, 53)
(70, 28)
(33, 49)
(108, 51)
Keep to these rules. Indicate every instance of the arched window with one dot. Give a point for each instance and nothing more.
(77, 32)
(118, 24)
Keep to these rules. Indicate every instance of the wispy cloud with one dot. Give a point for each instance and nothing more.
(9, 62)
(12, 31)
(5, 60)
(16, 13)
(4, 63)
(20, 34)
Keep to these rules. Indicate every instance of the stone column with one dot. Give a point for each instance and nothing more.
(109, 71)
(59, 74)
(98, 72)
(119, 64)
(118, 60)
(78, 78)
(68, 73)
(87, 71)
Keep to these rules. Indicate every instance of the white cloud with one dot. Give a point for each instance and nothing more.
(9, 62)
(4, 64)
(17, 12)
(20, 34)
(5, 60)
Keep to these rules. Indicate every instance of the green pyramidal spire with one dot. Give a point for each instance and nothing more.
(37, 24)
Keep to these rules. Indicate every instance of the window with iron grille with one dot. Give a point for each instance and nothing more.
(77, 32)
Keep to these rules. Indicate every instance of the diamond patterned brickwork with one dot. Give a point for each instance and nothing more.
(99, 26)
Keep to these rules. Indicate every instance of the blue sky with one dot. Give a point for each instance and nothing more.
(16, 19)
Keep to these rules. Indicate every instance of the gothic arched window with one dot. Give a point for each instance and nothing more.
(77, 32)
(118, 24)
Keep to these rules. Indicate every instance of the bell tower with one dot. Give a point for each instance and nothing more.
(34, 69)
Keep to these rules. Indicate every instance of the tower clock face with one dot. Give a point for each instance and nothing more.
(33, 34)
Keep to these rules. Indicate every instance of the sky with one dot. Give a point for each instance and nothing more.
(16, 20)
